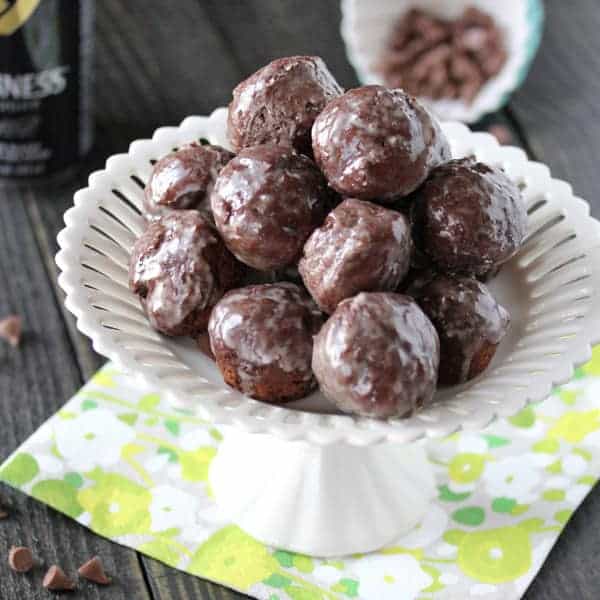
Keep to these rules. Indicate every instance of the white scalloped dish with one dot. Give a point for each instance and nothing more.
(551, 288)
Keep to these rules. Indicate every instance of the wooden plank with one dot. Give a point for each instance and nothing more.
(44, 208)
(35, 380)
(158, 63)
(147, 78)
(558, 108)
(261, 31)
(138, 90)
(205, 74)
(571, 570)
(558, 113)
(174, 584)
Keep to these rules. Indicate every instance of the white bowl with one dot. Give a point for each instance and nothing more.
(551, 287)
(367, 24)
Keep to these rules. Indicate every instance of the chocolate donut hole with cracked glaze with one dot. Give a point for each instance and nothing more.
(360, 247)
(279, 103)
(266, 202)
(184, 179)
(180, 268)
(469, 322)
(262, 339)
(377, 356)
(468, 218)
(375, 143)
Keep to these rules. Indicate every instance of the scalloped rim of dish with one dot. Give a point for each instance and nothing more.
(258, 417)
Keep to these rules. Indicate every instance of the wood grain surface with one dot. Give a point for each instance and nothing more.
(158, 62)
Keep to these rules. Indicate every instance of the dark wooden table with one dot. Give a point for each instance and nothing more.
(156, 63)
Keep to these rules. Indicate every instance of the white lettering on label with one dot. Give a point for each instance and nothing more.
(33, 86)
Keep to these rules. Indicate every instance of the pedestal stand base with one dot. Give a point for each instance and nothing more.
(321, 500)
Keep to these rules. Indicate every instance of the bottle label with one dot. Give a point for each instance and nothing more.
(45, 85)
(33, 86)
(13, 13)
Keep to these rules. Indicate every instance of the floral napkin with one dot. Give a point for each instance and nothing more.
(122, 462)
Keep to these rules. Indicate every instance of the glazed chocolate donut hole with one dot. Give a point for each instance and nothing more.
(262, 339)
(390, 237)
(377, 356)
(469, 321)
(279, 103)
(377, 143)
(266, 202)
(179, 268)
(360, 247)
(184, 179)
(468, 218)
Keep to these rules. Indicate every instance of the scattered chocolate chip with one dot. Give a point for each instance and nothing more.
(56, 580)
(94, 571)
(501, 133)
(427, 56)
(10, 330)
(20, 559)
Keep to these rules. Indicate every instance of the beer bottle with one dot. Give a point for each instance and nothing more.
(45, 85)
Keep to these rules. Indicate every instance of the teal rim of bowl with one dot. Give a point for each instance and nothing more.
(535, 21)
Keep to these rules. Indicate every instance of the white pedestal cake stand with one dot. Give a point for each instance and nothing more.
(302, 477)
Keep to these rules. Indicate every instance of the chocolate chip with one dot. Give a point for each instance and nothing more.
(493, 63)
(402, 33)
(93, 570)
(438, 79)
(428, 56)
(431, 29)
(462, 68)
(422, 21)
(430, 59)
(436, 34)
(20, 559)
(392, 62)
(10, 330)
(469, 89)
(413, 49)
(56, 580)
(450, 91)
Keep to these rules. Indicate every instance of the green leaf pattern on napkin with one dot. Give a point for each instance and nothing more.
(124, 463)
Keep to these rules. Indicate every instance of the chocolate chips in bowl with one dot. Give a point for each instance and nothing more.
(431, 57)
(348, 212)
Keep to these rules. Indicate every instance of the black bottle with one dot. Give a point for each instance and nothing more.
(46, 49)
